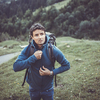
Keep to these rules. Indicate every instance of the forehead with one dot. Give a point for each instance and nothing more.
(38, 31)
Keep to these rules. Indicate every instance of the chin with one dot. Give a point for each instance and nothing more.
(41, 43)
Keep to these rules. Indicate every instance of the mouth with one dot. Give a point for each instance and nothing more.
(40, 40)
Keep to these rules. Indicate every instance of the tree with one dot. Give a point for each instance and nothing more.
(84, 25)
(71, 30)
(67, 14)
(71, 19)
(52, 13)
(98, 19)
(48, 25)
(60, 18)
(43, 16)
(94, 24)
(19, 12)
(28, 13)
(65, 25)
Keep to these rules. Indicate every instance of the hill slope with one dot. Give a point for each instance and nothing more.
(80, 82)
(59, 5)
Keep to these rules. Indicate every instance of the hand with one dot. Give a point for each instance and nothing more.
(44, 72)
(38, 54)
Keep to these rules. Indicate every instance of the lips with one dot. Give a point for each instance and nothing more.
(40, 40)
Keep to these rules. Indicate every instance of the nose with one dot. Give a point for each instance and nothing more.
(39, 36)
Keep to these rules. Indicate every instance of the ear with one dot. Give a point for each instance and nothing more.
(32, 37)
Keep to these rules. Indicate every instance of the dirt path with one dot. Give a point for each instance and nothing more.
(7, 57)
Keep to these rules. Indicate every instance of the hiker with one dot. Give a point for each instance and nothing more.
(40, 68)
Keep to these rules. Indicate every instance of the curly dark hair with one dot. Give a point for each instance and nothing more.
(33, 28)
(36, 26)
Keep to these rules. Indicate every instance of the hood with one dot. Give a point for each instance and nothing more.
(45, 43)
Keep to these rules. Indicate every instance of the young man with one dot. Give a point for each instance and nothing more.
(41, 70)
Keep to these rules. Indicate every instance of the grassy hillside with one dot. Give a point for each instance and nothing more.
(59, 5)
(81, 82)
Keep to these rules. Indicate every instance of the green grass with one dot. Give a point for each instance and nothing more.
(59, 5)
(11, 46)
(80, 82)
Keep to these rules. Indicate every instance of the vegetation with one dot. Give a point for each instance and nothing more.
(11, 46)
(80, 82)
(77, 18)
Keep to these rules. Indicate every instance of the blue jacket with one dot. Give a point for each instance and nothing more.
(33, 78)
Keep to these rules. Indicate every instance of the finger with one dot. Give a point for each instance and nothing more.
(41, 69)
(40, 54)
(39, 51)
(40, 72)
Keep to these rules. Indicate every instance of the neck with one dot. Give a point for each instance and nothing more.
(40, 46)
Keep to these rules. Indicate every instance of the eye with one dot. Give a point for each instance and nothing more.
(41, 33)
(36, 34)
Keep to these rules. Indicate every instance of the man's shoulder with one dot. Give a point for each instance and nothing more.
(56, 50)
(26, 49)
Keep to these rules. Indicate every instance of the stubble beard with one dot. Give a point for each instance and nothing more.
(41, 42)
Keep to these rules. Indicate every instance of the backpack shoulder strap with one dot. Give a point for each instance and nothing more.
(52, 59)
(31, 53)
(31, 50)
(51, 56)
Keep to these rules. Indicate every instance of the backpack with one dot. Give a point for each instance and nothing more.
(51, 42)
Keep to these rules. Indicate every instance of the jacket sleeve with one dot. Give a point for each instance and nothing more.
(23, 61)
(65, 65)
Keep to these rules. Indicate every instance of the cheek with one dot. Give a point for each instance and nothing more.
(35, 39)
(44, 38)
